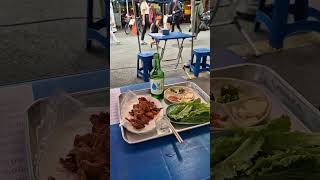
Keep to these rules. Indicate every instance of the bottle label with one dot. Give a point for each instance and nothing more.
(156, 86)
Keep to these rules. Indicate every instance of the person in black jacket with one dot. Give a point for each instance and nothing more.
(176, 15)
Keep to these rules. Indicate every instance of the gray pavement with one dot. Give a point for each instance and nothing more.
(48, 49)
(123, 57)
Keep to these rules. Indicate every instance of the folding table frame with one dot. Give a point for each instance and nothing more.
(173, 36)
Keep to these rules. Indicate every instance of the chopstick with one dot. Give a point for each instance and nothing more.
(175, 132)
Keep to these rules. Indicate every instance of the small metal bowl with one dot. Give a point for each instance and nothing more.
(165, 32)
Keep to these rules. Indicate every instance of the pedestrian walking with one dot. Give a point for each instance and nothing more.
(196, 17)
(176, 15)
(144, 8)
(113, 37)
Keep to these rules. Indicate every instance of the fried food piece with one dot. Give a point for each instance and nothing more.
(142, 113)
(88, 158)
(150, 114)
(85, 140)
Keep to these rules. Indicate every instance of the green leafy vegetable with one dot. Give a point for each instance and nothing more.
(240, 160)
(228, 94)
(228, 144)
(190, 112)
(272, 152)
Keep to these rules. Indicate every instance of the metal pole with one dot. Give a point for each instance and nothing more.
(135, 21)
(192, 26)
(120, 14)
(127, 3)
(192, 14)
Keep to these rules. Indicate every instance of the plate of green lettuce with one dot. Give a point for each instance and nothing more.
(270, 152)
(193, 112)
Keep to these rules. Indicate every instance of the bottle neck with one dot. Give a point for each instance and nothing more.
(157, 63)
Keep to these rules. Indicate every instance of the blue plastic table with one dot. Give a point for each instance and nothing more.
(71, 84)
(172, 36)
(163, 158)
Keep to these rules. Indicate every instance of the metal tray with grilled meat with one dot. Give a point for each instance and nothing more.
(133, 138)
(44, 149)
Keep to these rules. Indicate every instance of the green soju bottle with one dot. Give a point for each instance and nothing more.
(157, 78)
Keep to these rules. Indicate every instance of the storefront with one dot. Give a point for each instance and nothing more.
(120, 8)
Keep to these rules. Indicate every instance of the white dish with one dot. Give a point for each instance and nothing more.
(238, 109)
(125, 114)
(188, 91)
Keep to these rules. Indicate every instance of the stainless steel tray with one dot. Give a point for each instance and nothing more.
(93, 101)
(285, 99)
(132, 138)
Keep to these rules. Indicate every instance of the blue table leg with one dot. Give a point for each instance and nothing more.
(191, 62)
(94, 27)
(89, 21)
(301, 10)
(312, 12)
(146, 70)
(279, 23)
(204, 62)
(106, 20)
(260, 8)
(197, 66)
(138, 66)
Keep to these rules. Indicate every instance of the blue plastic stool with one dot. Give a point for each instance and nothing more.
(93, 27)
(275, 17)
(146, 59)
(201, 61)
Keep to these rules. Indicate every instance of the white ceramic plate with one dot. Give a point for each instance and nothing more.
(168, 93)
(247, 91)
(125, 114)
